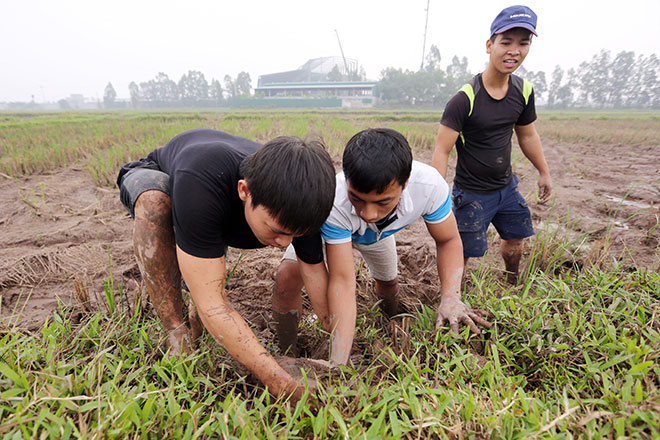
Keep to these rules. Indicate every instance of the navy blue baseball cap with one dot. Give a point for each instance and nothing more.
(514, 17)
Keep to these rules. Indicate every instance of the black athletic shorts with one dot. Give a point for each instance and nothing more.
(137, 177)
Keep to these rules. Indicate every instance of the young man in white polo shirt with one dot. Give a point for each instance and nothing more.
(380, 191)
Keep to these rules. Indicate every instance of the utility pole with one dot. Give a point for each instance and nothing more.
(428, 2)
(342, 54)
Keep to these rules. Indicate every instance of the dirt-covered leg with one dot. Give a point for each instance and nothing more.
(153, 241)
(387, 291)
(196, 327)
(511, 251)
(287, 305)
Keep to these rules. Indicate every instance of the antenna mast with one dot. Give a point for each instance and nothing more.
(428, 2)
(342, 54)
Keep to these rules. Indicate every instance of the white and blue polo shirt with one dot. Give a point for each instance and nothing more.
(426, 195)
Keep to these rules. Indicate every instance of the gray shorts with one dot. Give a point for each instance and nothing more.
(137, 177)
(381, 257)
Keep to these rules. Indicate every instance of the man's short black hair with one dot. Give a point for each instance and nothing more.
(374, 157)
(294, 180)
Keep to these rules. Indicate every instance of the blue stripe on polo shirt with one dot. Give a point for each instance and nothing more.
(371, 237)
(441, 212)
(332, 232)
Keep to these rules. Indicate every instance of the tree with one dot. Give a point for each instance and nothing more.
(160, 91)
(243, 84)
(215, 91)
(134, 91)
(555, 83)
(621, 79)
(109, 96)
(536, 78)
(644, 87)
(650, 84)
(167, 89)
(433, 59)
(362, 75)
(353, 75)
(335, 75)
(64, 104)
(565, 94)
(193, 87)
(595, 79)
(230, 87)
(392, 86)
(457, 74)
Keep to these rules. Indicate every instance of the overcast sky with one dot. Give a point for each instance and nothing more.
(51, 49)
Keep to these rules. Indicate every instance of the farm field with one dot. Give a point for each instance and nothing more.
(574, 352)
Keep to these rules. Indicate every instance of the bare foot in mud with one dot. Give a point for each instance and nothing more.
(511, 278)
(389, 306)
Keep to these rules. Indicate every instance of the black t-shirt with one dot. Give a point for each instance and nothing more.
(208, 215)
(484, 147)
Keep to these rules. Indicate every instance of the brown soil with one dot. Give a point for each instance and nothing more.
(63, 239)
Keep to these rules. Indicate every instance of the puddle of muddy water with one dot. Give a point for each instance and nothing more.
(625, 202)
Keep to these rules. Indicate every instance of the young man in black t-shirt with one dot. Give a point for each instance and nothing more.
(480, 120)
(206, 190)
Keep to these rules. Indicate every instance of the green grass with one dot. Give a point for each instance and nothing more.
(573, 355)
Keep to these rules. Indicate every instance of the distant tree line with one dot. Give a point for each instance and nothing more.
(192, 90)
(624, 81)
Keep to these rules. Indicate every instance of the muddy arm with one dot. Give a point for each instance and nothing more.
(315, 278)
(450, 269)
(444, 142)
(205, 278)
(530, 144)
(341, 300)
(449, 255)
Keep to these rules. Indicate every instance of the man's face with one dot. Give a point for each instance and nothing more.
(509, 49)
(267, 230)
(374, 206)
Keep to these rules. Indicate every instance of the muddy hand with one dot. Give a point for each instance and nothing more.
(545, 188)
(308, 384)
(453, 311)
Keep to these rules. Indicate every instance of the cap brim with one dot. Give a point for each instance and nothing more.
(527, 26)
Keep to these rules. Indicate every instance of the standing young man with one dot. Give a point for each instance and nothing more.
(381, 191)
(480, 120)
(206, 190)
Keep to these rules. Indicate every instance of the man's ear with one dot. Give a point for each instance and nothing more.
(405, 184)
(489, 44)
(243, 190)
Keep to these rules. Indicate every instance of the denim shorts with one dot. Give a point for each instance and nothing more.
(137, 177)
(505, 209)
